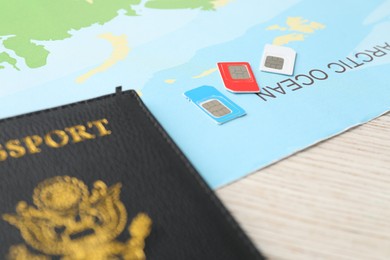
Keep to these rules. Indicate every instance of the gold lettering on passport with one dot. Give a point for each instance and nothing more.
(99, 124)
(32, 143)
(55, 139)
(79, 133)
(70, 222)
(15, 148)
(62, 137)
(3, 154)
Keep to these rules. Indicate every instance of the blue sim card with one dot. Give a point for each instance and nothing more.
(215, 104)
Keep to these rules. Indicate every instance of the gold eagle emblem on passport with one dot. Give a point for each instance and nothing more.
(69, 222)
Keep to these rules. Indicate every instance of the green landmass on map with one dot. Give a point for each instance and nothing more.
(6, 58)
(45, 20)
(181, 4)
(25, 21)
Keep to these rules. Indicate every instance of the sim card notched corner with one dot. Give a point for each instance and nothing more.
(278, 59)
(216, 105)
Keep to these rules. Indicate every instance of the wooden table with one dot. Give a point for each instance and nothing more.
(331, 201)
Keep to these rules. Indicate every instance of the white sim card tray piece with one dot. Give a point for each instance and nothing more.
(278, 59)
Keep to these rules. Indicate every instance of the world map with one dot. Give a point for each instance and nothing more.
(55, 53)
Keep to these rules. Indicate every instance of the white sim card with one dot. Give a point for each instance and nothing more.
(278, 59)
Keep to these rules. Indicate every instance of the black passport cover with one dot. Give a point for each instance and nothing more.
(74, 178)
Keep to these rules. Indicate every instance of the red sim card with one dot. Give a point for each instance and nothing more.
(238, 77)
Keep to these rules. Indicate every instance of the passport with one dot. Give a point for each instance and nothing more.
(101, 179)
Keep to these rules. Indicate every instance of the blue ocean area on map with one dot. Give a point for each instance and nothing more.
(278, 127)
(341, 77)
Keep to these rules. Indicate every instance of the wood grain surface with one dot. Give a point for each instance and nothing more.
(331, 201)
